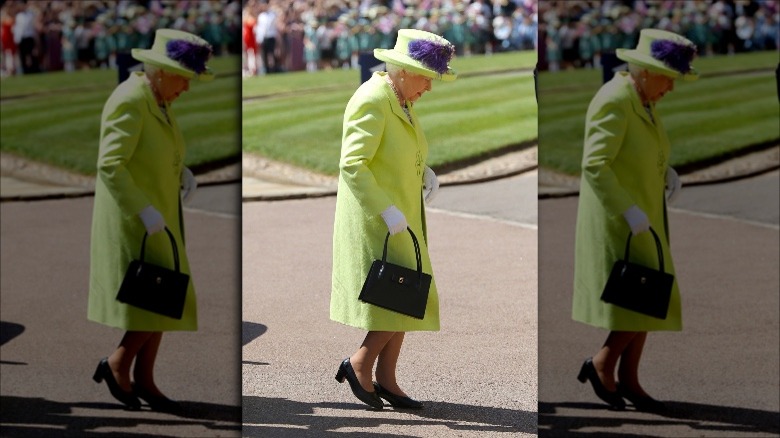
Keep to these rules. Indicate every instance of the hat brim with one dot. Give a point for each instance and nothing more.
(393, 57)
(654, 65)
(169, 65)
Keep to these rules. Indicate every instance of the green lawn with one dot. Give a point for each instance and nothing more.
(297, 117)
(55, 117)
(731, 107)
(298, 82)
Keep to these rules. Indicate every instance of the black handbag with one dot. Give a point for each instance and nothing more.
(639, 288)
(395, 287)
(155, 288)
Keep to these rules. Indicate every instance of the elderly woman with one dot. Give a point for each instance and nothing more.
(140, 174)
(382, 186)
(625, 171)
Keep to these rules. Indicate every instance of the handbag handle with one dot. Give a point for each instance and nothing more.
(416, 253)
(173, 245)
(657, 247)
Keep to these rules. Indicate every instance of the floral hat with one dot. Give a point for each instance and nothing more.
(178, 52)
(663, 52)
(421, 52)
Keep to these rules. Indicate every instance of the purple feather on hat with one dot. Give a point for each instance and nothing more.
(675, 55)
(433, 55)
(190, 55)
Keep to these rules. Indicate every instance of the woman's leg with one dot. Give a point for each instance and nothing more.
(387, 362)
(606, 359)
(143, 372)
(363, 359)
(121, 359)
(628, 371)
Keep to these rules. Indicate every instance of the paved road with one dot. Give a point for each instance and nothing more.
(752, 199)
(477, 376)
(511, 199)
(720, 375)
(49, 349)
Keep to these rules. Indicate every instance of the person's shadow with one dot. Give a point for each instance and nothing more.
(249, 332)
(278, 417)
(8, 331)
(37, 417)
(700, 418)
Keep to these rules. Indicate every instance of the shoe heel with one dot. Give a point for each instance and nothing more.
(341, 374)
(583, 375)
(98, 376)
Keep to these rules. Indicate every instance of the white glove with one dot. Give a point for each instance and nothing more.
(673, 185)
(430, 184)
(152, 219)
(395, 220)
(637, 220)
(188, 185)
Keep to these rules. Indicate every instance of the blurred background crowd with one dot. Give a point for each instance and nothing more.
(40, 36)
(576, 33)
(291, 35)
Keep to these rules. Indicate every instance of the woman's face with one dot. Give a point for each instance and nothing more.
(170, 85)
(414, 86)
(655, 86)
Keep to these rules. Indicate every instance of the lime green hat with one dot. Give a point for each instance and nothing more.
(178, 52)
(663, 52)
(420, 52)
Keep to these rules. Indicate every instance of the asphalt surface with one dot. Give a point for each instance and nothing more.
(477, 376)
(49, 350)
(720, 376)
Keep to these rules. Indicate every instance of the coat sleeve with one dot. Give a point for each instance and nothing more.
(364, 123)
(120, 131)
(605, 129)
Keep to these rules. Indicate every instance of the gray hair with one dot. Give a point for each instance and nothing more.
(393, 69)
(150, 69)
(636, 70)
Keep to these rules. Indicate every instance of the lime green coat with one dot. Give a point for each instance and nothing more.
(140, 162)
(624, 163)
(382, 162)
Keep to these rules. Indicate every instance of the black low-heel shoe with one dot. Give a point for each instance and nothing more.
(612, 398)
(397, 401)
(369, 398)
(641, 402)
(103, 372)
(156, 402)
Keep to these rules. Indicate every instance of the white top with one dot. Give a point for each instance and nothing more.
(266, 26)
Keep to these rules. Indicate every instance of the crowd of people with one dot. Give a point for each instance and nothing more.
(292, 35)
(574, 33)
(43, 36)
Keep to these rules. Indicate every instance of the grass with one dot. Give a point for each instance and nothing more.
(732, 107)
(55, 117)
(348, 79)
(297, 118)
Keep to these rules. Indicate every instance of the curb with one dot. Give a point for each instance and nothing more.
(35, 181)
(555, 185)
(302, 183)
(275, 181)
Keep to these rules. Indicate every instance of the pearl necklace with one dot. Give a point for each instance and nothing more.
(400, 99)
